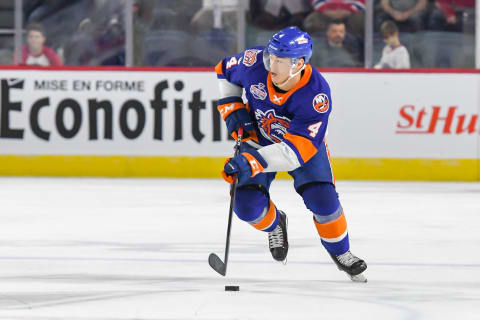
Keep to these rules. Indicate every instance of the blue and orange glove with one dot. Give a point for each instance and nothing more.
(246, 165)
(241, 118)
(236, 115)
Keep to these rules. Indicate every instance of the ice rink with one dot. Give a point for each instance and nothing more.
(88, 249)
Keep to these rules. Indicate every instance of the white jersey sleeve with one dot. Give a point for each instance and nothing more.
(280, 157)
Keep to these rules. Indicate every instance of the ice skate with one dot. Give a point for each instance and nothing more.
(278, 240)
(352, 265)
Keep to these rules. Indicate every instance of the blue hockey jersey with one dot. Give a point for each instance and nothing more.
(298, 117)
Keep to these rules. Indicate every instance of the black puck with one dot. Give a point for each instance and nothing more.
(232, 288)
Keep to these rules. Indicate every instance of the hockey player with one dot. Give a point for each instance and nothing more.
(285, 120)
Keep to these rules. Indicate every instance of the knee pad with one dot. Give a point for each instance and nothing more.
(250, 202)
(320, 197)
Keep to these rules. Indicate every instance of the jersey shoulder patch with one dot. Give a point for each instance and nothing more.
(321, 103)
(250, 57)
(318, 95)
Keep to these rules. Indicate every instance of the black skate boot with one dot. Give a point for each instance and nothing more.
(351, 264)
(278, 240)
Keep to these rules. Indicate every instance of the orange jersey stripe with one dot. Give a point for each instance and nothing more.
(304, 146)
(268, 219)
(280, 98)
(218, 67)
(332, 229)
(227, 108)
(329, 159)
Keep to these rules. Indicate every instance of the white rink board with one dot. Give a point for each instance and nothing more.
(365, 121)
(145, 143)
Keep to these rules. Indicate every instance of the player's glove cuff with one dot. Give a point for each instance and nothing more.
(227, 106)
(256, 162)
(246, 165)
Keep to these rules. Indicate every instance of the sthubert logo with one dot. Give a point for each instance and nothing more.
(436, 119)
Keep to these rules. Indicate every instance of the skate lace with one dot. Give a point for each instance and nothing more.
(275, 238)
(347, 259)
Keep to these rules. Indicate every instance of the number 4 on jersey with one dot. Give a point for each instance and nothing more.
(233, 62)
(313, 128)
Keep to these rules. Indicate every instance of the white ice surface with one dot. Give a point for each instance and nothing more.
(88, 249)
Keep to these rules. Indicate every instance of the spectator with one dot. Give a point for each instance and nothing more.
(351, 12)
(35, 52)
(59, 17)
(407, 14)
(337, 51)
(394, 54)
(453, 15)
(100, 36)
(278, 14)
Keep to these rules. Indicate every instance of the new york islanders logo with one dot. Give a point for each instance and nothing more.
(258, 91)
(271, 126)
(250, 57)
(321, 103)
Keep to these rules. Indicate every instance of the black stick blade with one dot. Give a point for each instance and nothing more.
(216, 263)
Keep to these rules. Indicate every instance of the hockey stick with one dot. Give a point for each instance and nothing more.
(213, 260)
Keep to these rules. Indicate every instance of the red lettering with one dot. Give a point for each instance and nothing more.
(471, 126)
(436, 117)
(420, 118)
(412, 122)
(406, 116)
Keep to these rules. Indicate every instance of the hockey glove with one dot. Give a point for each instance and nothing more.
(241, 118)
(246, 164)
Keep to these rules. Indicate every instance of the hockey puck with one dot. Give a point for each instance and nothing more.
(232, 288)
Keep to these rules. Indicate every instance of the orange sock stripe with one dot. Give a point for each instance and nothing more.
(332, 229)
(268, 219)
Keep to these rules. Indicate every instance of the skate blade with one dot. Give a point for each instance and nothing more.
(284, 262)
(358, 278)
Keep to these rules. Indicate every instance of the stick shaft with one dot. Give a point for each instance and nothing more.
(232, 199)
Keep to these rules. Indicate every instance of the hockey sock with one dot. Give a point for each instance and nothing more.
(328, 217)
(253, 206)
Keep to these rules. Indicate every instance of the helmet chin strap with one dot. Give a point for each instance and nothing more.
(290, 77)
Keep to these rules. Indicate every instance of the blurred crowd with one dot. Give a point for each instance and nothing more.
(407, 33)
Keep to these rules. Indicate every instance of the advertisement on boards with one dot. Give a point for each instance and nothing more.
(403, 115)
(106, 113)
(390, 117)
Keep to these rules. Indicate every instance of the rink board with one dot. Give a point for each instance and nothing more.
(164, 123)
(209, 167)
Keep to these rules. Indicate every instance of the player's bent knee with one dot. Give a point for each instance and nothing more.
(250, 203)
(320, 197)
